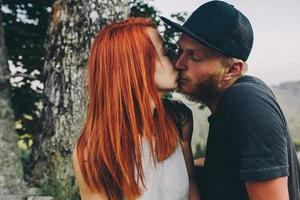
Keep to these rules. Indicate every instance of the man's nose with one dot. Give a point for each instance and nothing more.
(181, 63)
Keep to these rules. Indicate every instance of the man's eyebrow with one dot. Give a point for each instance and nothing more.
(193, 50)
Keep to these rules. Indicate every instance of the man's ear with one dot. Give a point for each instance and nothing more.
(235, 70)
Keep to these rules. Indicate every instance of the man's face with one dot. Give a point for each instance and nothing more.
(200, 70)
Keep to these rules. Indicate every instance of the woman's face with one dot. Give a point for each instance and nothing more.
(165, 76)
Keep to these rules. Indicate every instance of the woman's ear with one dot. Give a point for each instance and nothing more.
(235, 70)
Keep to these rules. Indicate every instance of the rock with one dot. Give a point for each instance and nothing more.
(10, 197)
(39, 198)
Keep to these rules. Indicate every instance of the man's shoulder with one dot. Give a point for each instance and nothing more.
(246, 95)
(247, 87)
(248, 84)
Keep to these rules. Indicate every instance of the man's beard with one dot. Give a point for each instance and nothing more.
(204, 91)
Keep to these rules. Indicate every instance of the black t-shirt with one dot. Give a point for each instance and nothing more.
(248, 140)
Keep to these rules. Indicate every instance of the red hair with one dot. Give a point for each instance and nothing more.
(121, 85)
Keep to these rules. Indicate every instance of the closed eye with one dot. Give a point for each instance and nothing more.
(194, 57)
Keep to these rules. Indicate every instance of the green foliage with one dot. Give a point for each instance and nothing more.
(200, 151)
(59, 190)
(202, 106)
(297, 145)
(167, 95)
(140, 8)
(25, 24)
(171, 35)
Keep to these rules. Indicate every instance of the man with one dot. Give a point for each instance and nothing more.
(249, 154)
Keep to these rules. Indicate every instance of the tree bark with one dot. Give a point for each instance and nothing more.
(73, 25)
(11, 171)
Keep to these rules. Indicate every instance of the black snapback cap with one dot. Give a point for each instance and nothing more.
(219, 26)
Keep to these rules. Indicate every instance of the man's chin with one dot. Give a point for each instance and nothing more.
(188, 94)
(193, 98)
(181, 89)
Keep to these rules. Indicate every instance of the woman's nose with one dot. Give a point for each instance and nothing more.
(181, 63)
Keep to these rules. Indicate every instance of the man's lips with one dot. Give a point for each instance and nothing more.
(181, 79)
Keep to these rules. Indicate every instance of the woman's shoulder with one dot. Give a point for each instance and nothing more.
(77, 171)
(78, 174)
(182, 115)
(178, 109)
(85, 191)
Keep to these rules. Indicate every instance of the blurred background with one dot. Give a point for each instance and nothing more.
(44, 47)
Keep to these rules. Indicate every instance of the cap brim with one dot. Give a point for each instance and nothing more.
(183, 29)
(172, 24)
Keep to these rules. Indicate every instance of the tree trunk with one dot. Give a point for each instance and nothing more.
(72, 28)
(11, 171)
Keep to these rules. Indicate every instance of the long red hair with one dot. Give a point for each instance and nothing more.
(121, 85)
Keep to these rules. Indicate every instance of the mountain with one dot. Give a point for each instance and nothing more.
(288, 96)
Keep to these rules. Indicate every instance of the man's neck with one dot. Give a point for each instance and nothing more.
(213, 104)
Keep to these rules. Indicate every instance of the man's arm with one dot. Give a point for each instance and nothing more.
(273, 189)
(187, 131)
(260, 138)
(199, 162)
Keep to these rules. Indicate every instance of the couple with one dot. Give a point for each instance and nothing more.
(137, 145)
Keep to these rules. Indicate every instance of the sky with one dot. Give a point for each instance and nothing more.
(275, 56)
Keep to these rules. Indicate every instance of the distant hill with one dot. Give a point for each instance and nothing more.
(287, 94)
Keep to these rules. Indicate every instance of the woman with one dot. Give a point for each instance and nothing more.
(133, 144)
